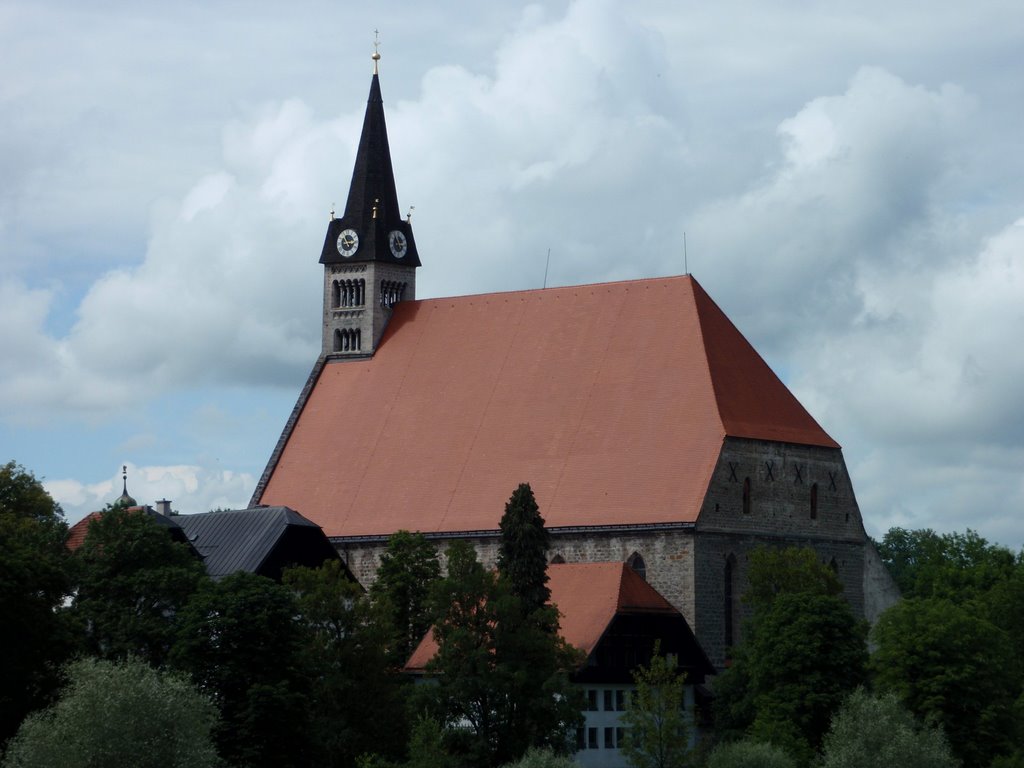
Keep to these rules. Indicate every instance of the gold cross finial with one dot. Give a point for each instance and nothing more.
(376, 52)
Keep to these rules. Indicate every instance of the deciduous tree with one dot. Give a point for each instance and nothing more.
(35, 635)
(119, 714)
(133, 580)
(657, 724)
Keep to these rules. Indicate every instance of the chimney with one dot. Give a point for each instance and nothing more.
(163, 506)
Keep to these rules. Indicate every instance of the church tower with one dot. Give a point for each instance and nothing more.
(369, 255)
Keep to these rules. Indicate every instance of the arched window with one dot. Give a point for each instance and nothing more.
(335, 294)
(557, 560)
(746, 495)
(636, 562)
(337, 340)
(814, 501)
(834, 566)
(729, 601)
(357, 339)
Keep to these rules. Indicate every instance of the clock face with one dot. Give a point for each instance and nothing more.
(399, 245)
(348, 242)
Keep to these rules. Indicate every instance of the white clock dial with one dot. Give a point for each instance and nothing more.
(348, 242)
(399, 245)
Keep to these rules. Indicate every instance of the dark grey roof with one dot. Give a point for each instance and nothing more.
(239, 540)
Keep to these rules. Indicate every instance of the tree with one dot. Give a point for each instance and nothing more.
(35, 635)
(655, 719)
(953, 668)
(502, 679)
(241, 641)
(872, 730)
(958, 566)
(133, 580)
(543, 758)
(522, 551)
(749, 753)
(802, 653)
(346, 644)
(119, 713)
(407, 569)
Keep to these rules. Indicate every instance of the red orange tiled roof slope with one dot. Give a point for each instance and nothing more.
(611, 400)
(588, 596)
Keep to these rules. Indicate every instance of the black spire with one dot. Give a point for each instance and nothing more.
(372, 208)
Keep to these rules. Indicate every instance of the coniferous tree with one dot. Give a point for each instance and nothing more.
(522, 553)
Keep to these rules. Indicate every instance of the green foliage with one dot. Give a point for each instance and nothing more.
(357, 705)
(802, 653)
(407, 569)
(133, 579)
(35, 636)
(242, 642)
(869, 731)
(543, 758)
(426, 746)
(952, 668)
(793, 570)
(957, 566)
(655, 720)
(119, 714)
(501, 676)
(522, 551)
(749, 753)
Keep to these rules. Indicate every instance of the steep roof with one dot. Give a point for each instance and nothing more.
(611, 400)
(588, 596)
(241, 540)
(77, 532)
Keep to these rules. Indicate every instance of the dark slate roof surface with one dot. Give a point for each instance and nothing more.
(239, 540)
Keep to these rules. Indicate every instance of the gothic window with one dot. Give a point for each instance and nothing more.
(337, 340)
(335, 294)
(834, 566)
(636, 562)
(557, 560)
(729, 603)
(814, 501)
(746, 495)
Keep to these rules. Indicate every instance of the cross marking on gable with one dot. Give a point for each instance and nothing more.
(768, 467)
(732, 473)
(832, 480)
(799, 478)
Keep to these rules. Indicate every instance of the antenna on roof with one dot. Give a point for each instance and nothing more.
(686, 267)
(546, 264)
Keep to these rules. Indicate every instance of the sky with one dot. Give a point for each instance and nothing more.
(846, 180)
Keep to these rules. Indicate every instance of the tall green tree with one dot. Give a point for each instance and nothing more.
(241, 640)
(502, 678)
(657, 723)
(951, 667)
(749, 753)
(408, 568)
(872, 730)
(119, 714)
(802, 653)
(35, 635)
(356, 697)
(133, 581)
(522, 550)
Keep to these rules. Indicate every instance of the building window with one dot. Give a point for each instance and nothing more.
(557, 560)
(592, 701)
(620, 736)
(609, 738)
(337, 340)
(746, 495)
(581, 743)
(592, 739)
(609, 701)
(636, 562)
(620, 701)
(814, 501)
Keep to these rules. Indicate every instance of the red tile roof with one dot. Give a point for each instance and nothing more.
(76, 533)
(588, 596)
(611, 400)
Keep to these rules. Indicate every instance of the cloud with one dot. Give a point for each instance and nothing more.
(190, 489)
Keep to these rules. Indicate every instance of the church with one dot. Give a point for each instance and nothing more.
(651, 431)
